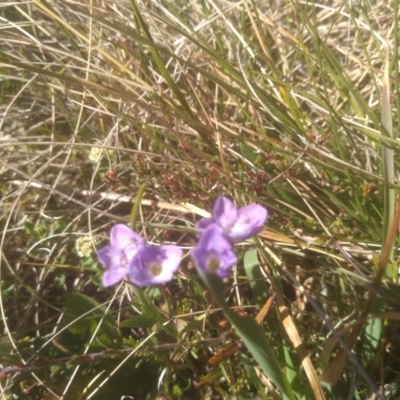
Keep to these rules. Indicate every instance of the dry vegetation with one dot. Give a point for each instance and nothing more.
(275, 102)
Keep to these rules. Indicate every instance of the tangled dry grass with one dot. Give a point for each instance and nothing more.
(275, 102)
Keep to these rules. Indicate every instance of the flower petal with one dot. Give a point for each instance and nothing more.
(250, 221)
(131, 250)
(153, 265)
(104, 255)
(122, 236)
(171, 262)
(112, 257)
(225, 213)
(114, 275)
(214, 252)
(204, 223)
(173, 257)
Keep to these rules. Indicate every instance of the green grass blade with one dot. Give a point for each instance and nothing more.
(256, 279)
(136, 206)
(373, 328)
(251, 334)
(388, 162)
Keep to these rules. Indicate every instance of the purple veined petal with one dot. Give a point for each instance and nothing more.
(112, 257)
(173, 257)
(213, 238)
(214, 252)
(227, 261)
(116, 264)
(105, 255)
(116, 257)
(211, 261)
(169, 265)
(225, 213)
(131, 250)
(114, 275)
(249, 222)
(153, 265)
(122, 236)
(204, 223)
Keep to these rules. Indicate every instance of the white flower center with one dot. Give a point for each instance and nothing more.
(124, 260)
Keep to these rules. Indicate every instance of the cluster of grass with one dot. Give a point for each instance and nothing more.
(288, 104)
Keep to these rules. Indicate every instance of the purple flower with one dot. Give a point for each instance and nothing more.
(214, 252)
(236, 224)
(153, 265)
(116, 257)
(127, 253)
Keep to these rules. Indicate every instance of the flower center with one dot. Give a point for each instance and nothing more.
(213, 263)
(124, 260)
(155, 268)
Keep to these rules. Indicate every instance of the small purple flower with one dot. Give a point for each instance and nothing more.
(236, 224)
(214, 252)
(153, 265)
(116, 257)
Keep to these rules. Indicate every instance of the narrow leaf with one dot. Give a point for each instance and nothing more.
(251, 334)
(256, 279)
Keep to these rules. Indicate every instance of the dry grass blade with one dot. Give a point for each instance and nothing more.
(232, 348)
(273, 103)
(294, 337)
(334, 371)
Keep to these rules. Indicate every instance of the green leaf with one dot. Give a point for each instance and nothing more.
(86, 318)
(254, 378)
(256, 279)
(293, 375)
(139, 321)
(373, 330)
(248, 152)
(251, 334)
(136, 206)
(388, 162)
